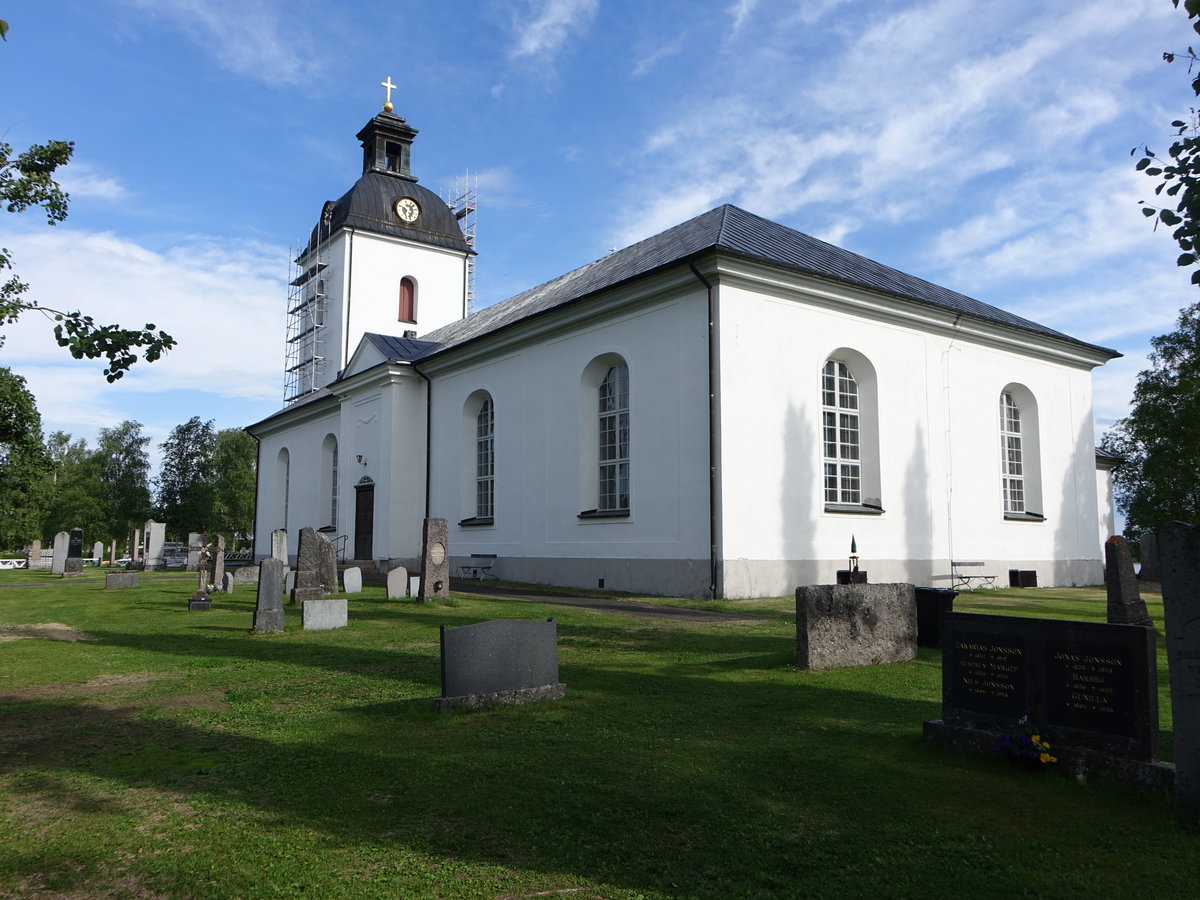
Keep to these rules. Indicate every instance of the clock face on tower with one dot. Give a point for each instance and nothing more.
(407, 209)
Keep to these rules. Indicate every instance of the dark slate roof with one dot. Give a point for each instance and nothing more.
(370, 206)
(394, 348)
(734, 232)
(1110, 458)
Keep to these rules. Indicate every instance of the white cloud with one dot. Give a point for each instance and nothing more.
(266, 41)
(646, 64)
(552, 22)
(740, 11)
(221, 300)
(82, 179)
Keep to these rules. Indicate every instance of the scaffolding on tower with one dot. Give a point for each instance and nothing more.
(463, 200)
(304, 354)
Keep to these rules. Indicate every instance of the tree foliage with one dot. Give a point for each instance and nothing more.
(1179, 174)
(185, 482)
(23, 464)
(76, 497)
(235, 462)
(27, 181)
(1160, 438)
(124, 473)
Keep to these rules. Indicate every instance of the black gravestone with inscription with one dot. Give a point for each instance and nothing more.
(1090, 684)
(75, 543)
(500, 662)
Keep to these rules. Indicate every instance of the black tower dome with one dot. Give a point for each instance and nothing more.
(376, 202)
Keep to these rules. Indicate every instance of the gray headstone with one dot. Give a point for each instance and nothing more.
(1148, 553)
(195, 541)
(75, 543)
(227, 582)
(435, 561)
(414, 586)
(324, 614)
(397, 583)
(1125, 603)
(289, 581)
(112, 552)
(118, 580)
(500, 662)
(327, 563)
(1179, 558)
(279, 545)
(855, 625)
(308, 557)
(137, 553)
(268, 615)
(309, 583)
(61, 542)
(218, 562)
(246, 575)
(72, 565)
(34, 558)
(155, 536)
(98, 552)
(352, 580)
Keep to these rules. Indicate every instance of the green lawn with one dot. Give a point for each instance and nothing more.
(176, 754)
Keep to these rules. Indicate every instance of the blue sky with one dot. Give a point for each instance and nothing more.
(985, 151)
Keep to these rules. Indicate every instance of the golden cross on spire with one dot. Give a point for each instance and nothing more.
(387, 106)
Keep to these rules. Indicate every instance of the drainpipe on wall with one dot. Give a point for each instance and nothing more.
(428, 432)
(713, 528)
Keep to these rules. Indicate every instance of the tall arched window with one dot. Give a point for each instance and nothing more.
(408, 300)
(282, 487)
(613, 447)
(850, 471)
(1020, 454)
(840, 434)
(485, 462)
(329, 478)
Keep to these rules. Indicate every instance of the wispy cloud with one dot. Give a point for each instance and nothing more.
(740, 12)
(267, 41)
(81, 179)
(646, 64)
(548, 24)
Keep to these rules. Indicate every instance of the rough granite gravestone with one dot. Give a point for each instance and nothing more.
(397, 583)
(352, 580)
(72, 565)
(323, 615)
(1148, 555)
(502, 662)
(309, 584)
(327, 564)
(61, 541)
(227, 582)
(279, 545)
(435, 561)
(268, 614)
(1125, 603)
(33, 559)
(98, 552)
(112, 552)
(855, 625)
(75, 543)
(118, 580)
(1179, 559)
(195, 540)
(218, 562)
(245, 575)
(155, 536)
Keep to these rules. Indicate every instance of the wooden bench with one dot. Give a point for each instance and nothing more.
(967, 581)
(479, 567)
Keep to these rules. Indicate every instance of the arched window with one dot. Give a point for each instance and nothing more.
(850, 434)
(408, 300)
(478, 460)
(329, 478)
(1020, 468)
(613, 447)
(485, 462)
(282, 487)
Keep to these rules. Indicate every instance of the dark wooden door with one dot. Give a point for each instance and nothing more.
(364, 521)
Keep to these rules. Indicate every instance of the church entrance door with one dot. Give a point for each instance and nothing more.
(364, 521)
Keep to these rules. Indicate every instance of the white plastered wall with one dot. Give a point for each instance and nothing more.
(938, 452)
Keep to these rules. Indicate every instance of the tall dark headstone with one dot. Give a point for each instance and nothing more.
(1148, 554)
(268, 615)
(75, 543)
(435, 561)
(308, 567)
(1125, 603)
(1179, 558)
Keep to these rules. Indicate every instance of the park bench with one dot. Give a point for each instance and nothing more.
(479, 567)
(963, 580)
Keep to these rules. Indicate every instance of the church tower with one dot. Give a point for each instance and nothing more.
(388, 257)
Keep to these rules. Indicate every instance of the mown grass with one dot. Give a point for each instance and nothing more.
(176, 754)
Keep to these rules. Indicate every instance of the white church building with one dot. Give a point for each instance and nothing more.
(714, 411)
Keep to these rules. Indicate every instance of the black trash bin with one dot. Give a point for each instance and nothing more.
(931, 603)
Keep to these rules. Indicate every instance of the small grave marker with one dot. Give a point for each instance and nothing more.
(397, 583)
(502, 662)
(268, 615)
(352, 580)
(1125, 603)
(324, 614)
